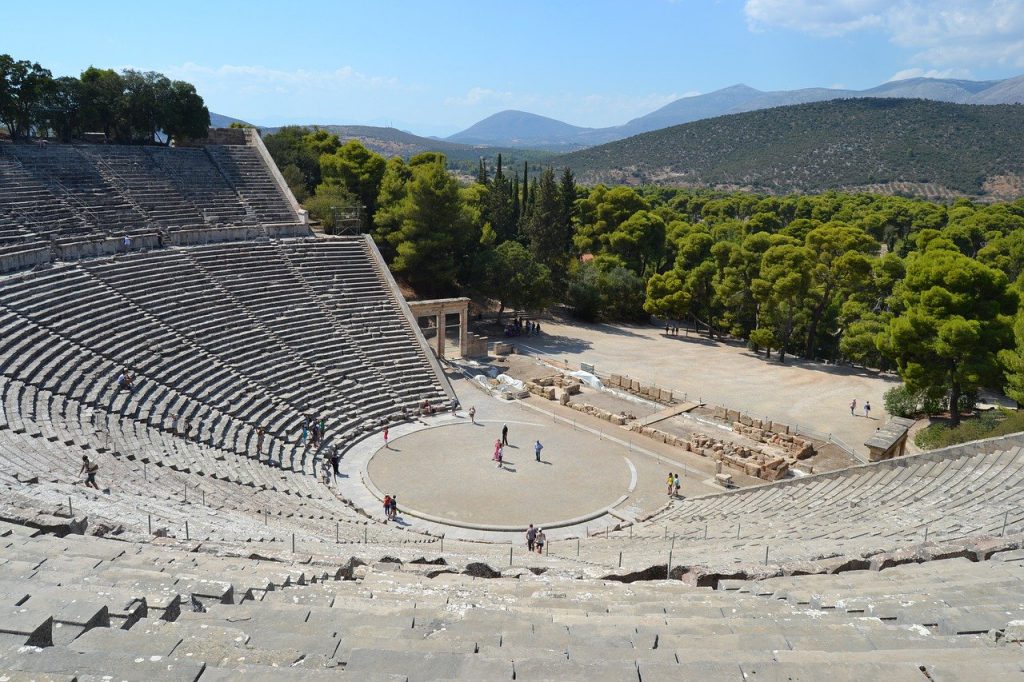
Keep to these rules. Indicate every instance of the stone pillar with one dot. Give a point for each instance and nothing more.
(464, 330)
(439, 321)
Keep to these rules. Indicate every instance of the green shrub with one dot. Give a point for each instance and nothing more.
(901, 401)
(989, 424)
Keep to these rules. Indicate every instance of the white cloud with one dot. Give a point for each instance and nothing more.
(918, 72)
(477, 96)
(954, 34)
(261, 79)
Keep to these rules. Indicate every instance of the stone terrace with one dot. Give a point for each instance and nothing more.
(77, 608)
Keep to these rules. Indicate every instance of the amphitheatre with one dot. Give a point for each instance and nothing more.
(213, 549)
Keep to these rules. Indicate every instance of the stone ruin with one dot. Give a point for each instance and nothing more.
(758, 462)
(554, 387)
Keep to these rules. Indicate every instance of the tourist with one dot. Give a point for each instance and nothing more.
(305, 432)
(472, 414)
(394, 507)
(531, 538)
(867, 409)
(387, 508)
(497, 451)
(325, 472)
(335, 461)
(322, 428)
(504, 434)
(386, 438)
(853, 406)
(677, 484)
(537, 447)
(501, 456)
(540, 540)
(666, 329)
(671, 483)
(127, 241)
(259, 441)
(89, 469)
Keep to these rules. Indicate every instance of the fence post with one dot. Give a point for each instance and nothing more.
(186, 530)
(668, 566)
(926, 532)
(1001, 533)
(442, 544)
(766, 555)
(620, 559)
(510, 554)
(145, 472)
(149, 523)
(71, 511)
(337, 532)
(737, 531)
(204, 497)
(186, 493)
(577, 546)
(705, 531)
(293, 543)
(365, 541)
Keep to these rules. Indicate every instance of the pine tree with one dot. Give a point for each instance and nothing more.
(481, 173)
(516, 208)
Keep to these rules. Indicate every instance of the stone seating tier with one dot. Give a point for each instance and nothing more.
(88, 191)
(91, 607)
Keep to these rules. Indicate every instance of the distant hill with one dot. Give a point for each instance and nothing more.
(888, 145)
(390, 142)
(531, 130)
(521, 129)
(222, 121)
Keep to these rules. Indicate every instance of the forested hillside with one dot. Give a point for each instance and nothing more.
(896, 146)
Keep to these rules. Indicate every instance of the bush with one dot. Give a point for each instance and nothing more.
(987, 425)
(901, 401)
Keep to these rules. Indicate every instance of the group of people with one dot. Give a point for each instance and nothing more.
(500, 443)
(535, 539)
(126, 380)
(853, 408)
(390, 507)
(671, 331)
(521, 327)
(313, 429)
(673, 485)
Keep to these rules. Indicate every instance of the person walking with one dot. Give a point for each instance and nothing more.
(260, 432)
(335, 461)
(676, 476)
(504, 434)
(867, 408)
(540, 540)
(386, 438)
(387, 508)
(531, 538)
(89, 468)
(537, 447)
(305, 433)
(501, 456)
(393, 509)
(472, 414)
(497, 451)
(853, 406)
(671, 483)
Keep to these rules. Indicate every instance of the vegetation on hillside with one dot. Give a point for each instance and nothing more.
(128, 107)
(821, 146)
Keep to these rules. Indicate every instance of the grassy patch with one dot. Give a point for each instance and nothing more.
(987, 425)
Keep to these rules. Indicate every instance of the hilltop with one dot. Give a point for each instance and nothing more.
(917, 147)
(522, 129)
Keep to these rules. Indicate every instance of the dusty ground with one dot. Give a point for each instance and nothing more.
(811, 396)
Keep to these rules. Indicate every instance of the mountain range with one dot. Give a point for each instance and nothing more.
(525, 130)
(894, 146)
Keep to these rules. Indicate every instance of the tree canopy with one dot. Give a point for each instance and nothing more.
(128, 107)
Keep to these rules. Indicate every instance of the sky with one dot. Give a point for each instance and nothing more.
(435, 67)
